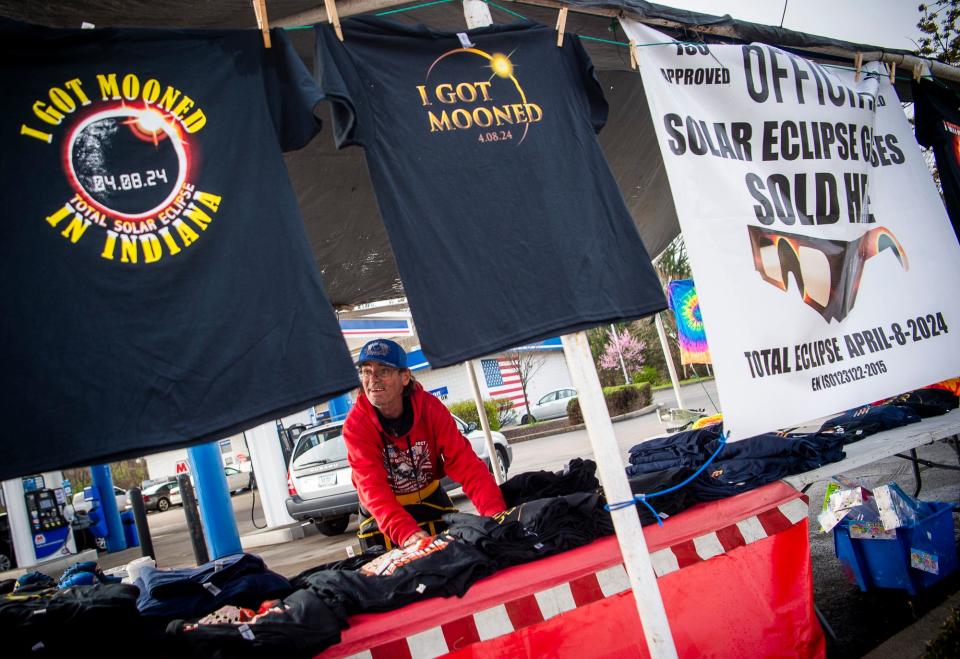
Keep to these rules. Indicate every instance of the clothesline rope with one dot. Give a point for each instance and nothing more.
(642, 498)
(582, 36)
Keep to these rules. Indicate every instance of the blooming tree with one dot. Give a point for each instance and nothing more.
(625, 344)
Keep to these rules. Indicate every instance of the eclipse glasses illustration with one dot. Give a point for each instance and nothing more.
(826, 271)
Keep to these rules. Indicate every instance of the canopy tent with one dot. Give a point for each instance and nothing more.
(336, 198)
(347, 236)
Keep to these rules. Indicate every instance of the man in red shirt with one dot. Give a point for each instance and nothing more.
(400, 442)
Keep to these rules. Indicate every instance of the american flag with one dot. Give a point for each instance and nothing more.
(503, 381)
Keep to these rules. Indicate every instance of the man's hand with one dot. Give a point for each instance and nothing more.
(416, 537)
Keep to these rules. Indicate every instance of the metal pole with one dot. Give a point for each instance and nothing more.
(485, 424)
(216, 508)
(626, 522)
(103, 483)
(140, 519)
(194, 525)
(616, 342)
(670, 367)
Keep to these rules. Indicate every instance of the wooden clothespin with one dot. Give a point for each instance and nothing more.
(857, 63)
(892, 67)
(333, 17)
(634, 62)
(260, 9)
(561, 26)
(917, 71)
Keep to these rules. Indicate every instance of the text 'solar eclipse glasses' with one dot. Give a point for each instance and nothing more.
(827, 271)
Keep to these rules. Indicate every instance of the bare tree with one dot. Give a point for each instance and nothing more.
(526, 363)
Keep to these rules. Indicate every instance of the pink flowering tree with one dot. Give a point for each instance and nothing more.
(625, 344)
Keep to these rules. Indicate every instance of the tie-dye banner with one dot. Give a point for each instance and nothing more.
(682, 295)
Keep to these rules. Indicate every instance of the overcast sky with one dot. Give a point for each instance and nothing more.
(889, 23)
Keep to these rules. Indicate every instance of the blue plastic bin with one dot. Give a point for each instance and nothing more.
(874, 563)
(129, 528)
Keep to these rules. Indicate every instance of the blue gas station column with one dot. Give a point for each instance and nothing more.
(213, 499)
(339, 407)
(103, 482)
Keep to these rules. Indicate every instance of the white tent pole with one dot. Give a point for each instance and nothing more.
(666, 353)
(476, 13)
(626, 522)
(484, 423)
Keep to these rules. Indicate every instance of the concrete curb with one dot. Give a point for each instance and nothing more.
(912, 641)
(278, 535)
(547, 433)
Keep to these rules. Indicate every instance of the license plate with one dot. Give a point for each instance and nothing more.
(323, 480)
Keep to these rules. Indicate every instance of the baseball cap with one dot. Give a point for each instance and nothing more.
(383, 351)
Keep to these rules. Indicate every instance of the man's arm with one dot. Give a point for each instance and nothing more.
(365, 455)
(462, 464)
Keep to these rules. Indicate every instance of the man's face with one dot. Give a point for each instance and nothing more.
(383, 385)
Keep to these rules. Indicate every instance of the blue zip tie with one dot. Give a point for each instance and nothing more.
(642, 498)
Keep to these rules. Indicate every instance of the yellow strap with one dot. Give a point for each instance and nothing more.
(415, 497)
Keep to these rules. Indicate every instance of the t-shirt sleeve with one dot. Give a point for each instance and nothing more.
(584, 78)
(292, 93)
(923, 113)
(340, 83)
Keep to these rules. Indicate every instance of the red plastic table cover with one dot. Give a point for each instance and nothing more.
(735, 577)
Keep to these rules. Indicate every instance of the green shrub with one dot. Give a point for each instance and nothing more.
(647, 374)
(620, 400)
(467, 410)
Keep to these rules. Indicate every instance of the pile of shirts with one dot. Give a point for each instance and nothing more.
(240, 580)
(740, 466)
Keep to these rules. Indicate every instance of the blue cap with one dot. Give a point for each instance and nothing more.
(383, 351)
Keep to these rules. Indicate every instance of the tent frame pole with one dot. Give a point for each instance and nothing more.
(626, 521)
(484, 423)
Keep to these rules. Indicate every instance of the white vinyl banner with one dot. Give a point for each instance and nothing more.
(825, 262)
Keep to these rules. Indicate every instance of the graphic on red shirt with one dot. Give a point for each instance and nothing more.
(409, 469)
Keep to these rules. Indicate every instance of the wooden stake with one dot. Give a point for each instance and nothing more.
(857, 63)
(917, 71)
(893, 72)
(561, 26)
(333, 17)
(634, 61)
(260, 9)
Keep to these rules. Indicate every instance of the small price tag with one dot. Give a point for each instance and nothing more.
(924, 561)
(246, 632)
(421, 588)
(464, 40)
(212, 589)
(350, 552)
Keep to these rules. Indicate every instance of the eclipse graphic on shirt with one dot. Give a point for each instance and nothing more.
(479, 101)
(129, 162)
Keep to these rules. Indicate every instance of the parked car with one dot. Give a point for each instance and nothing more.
(237, 480)
(82, 505)
(7, 559)
(160, 496)
(550, 406)
(318, 478)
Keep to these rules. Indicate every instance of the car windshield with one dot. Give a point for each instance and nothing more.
(325, 445)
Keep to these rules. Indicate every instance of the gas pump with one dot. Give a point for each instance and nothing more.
(38, 528)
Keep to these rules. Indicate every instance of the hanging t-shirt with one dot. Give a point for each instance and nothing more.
(156, 281)
(504, 217)
(937, 125)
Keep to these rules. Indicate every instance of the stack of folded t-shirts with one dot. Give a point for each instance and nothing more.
(52, 622)
(434, 567)
(241, 580)
(578, 476)
(742, 465)
(860, 422)
(299, 625)
(534, 529)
